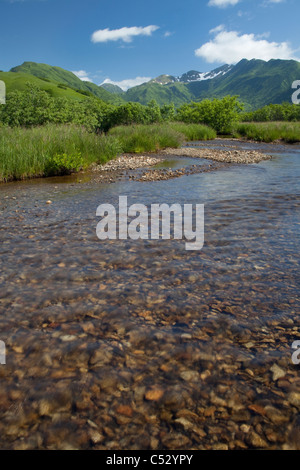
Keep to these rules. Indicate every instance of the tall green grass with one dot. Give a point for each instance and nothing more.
(51, 149)
(194, 131)
(269, 131)
(151, 138)
(61, 149)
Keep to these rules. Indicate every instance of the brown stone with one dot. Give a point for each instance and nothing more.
(154, 394)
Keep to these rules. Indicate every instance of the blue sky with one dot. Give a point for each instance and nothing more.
(130, 41)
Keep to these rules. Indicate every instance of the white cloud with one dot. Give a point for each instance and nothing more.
(231, 47)
(82, 74)
(270, 2)
(217, 29)
(223, 3)
(128, 83)
(124, 34)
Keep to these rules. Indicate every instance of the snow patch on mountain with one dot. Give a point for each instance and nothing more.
(193, 76)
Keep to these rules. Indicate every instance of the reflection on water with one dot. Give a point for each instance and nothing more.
(143, 345)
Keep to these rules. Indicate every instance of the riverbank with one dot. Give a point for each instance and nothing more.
(129, 165)
(58, 150)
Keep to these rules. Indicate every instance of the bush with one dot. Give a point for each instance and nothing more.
(274, 112)
(221, 114)
(63, 164)
(35, 107)
(269, 132)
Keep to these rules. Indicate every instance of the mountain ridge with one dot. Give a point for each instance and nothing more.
(256, 82)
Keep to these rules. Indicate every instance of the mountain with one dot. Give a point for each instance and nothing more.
(57, 75)
(163, 80)
(256, 82)
(192, 76)
(111, 88)
(176, 93)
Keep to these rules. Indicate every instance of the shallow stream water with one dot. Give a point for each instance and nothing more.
(142, 344)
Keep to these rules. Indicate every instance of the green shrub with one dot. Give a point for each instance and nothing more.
(64, 164)
(220, 114)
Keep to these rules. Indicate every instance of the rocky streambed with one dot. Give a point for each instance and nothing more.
(127, 165)
(137, 345)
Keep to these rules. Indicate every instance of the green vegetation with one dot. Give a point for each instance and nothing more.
(221, 115)
(146, 138)
(51, 150)
(43, 134)
(57, 75)
(256, 82)
(35, 107)
(273, 112)
(115, 89)
(176, 93)
(64, 164)
(269, 132)
(194, 131)
(153, 137)
(19, 82)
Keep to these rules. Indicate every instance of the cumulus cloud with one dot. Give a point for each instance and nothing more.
(124, 34)
(82, 74)
(128, 83)
(231, 47)
(223, 3)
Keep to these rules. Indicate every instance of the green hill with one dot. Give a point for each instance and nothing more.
(17, 81)
(65, 78)
(176, 93)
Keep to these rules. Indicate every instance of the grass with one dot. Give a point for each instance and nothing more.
(18, 81)
(194, 131)
(51, 149)
(288, 132)
(154, 137)
(62, 149)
